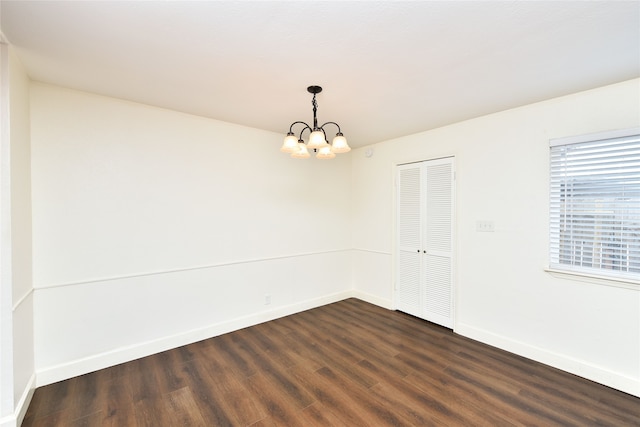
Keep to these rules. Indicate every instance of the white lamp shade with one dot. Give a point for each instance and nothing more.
(325, 153)
(290, 144)
(301, 152)
(316, 139)
(339, 144)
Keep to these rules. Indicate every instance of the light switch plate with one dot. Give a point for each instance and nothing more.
(485, 226)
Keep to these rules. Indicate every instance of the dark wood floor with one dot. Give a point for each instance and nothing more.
(344, 364)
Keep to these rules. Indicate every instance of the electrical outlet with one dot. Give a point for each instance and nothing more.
(267, 299)
(485, 226)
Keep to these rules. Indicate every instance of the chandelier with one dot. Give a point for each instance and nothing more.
(317, 138)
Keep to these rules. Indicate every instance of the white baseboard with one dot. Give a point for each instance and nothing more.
(25, 399)
(373, 299)
(15, 419)
(574, 366)
(96, 362)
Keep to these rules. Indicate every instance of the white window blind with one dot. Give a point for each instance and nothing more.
(595, 204)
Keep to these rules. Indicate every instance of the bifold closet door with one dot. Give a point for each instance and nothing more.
(424, 283)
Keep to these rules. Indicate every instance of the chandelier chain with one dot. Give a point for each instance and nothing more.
(314, 103)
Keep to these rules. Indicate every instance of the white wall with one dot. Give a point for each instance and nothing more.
(154, 228)
(23, 350)
(503, 295)
(18, 375)
(6, 288)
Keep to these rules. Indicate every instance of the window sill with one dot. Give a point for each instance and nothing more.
(598, 280)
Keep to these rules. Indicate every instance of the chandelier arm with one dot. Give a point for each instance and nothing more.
(306, 126)
(295, 123)
(331, 123)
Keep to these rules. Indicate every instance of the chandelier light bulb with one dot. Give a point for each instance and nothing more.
(339, 144)
(325, 153)
(290, 143)
(316, 139)
(301, 152)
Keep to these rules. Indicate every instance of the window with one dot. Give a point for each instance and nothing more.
(595, 205)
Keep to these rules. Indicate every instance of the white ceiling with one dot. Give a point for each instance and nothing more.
(388, 68)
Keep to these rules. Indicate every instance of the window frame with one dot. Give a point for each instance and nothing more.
(569, 270)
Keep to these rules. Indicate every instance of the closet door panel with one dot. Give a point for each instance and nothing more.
(409, 298)
(438, 242)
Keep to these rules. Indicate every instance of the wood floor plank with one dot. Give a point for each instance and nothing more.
(344, 364)
(231, 386)
(270, 341)
(120, 415)
(349, 326)
(286, 351)
(144, 380)
(377, 413)
(182, 409)
(304, 350)
(501, 394)
(337, 400)
(230, 352)
(415, 405)
(52, 398)
(478, 408)
(211, 405)
(334, 354)
(277, 375)
(148, 411)
(317, 415)
(117, 406)
(265, 422)
(52, 419)
(275, 401)
(88, 397)
(91, 420)
(312, 333)
(556, 405)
